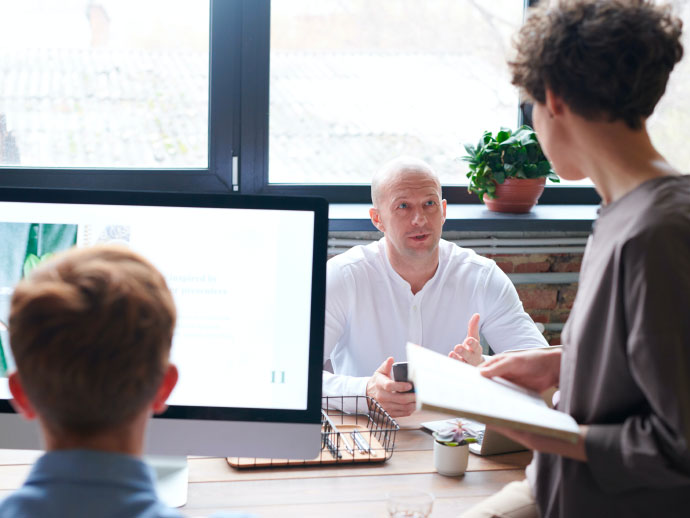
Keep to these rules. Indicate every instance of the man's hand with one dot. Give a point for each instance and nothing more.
(470, 350)
(537, 370)
(389, 393)
(545, 444)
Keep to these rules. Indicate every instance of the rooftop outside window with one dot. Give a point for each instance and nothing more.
(355, 83)
(109, 83)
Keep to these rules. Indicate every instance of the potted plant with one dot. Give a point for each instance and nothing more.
(451, 450)
(508, 172)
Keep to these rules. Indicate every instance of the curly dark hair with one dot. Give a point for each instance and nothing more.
(607, 59)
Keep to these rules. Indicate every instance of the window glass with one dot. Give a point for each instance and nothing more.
(671, 118)
(354, 83)
(104, 83)
(670, 122)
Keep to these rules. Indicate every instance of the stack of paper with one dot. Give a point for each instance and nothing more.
(450, 386)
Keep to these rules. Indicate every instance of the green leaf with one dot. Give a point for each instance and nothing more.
(532, 150)
(520, 155)
(502, 136)
(31, 262)
(511, 154)
(528, 137)
(3, 361)
(530, 170)
(512, 141)
(494, 162)
(543, 168)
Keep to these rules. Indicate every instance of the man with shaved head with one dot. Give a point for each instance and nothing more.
(411, 285)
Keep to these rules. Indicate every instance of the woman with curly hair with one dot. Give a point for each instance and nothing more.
(595, 70)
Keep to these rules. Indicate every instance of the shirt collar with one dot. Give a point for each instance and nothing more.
(92, 466)
(389, 268)
(397, 278)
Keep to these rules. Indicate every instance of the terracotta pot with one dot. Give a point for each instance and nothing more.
(516, 195)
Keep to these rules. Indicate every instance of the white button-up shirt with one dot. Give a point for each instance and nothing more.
(371, 312)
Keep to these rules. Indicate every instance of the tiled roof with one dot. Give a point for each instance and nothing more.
(93, 107)
(334, 117)
(338, 117)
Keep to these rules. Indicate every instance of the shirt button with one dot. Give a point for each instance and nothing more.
(414, 307)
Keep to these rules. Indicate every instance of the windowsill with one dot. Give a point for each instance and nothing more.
(468, 217)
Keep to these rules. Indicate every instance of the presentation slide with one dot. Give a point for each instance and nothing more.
(241, 280)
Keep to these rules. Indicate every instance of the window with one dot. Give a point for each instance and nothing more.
(118, 83)
(267, 97)
(670, 121)
(117, 94)
(354, 84)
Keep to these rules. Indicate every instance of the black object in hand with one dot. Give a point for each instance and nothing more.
(400, 374)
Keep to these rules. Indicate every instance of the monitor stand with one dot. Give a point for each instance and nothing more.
(172, 478)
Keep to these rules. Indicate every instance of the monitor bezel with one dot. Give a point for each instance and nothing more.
(318, 206)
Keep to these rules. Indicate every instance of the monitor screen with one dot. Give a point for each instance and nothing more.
(248, 278)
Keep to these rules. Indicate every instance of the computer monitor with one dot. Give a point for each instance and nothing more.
(248, 277)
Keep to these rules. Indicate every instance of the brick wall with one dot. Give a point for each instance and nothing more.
(547, 303)
(537, 263)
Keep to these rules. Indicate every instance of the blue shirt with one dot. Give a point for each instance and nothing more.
(88, 484)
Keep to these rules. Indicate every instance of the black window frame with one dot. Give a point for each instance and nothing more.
(225, 49)
(254, 158)
(239, 76)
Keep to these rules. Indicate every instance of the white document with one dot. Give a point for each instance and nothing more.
(447, 385)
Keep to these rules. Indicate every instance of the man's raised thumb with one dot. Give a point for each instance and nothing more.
(386, 366)
(473, 326)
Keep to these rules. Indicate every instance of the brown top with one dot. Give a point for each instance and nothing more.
(625, 369)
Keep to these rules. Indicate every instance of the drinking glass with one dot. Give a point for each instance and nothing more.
(409, 504)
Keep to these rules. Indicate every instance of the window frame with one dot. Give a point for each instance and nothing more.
(225, 32)
(239, 76)
(254, 155)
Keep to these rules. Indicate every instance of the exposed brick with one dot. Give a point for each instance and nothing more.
(541, 297)
(539, 315)
(558, 315)
(566, 296)
(532, 267)
(506, 266)
(566, 262)
(555, 339)
(532, 258)
(549, 316)
(533, 263)
(567, 267)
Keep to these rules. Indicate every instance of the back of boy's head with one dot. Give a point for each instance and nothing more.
(607, 59)
(90, 332)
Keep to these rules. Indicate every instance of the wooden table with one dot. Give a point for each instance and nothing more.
(329, 491)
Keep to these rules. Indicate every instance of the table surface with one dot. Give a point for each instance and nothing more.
(334, 491)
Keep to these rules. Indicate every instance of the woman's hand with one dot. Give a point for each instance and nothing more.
(546, 444)
(539, 369)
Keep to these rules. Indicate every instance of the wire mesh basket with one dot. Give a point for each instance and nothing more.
(354, 429)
